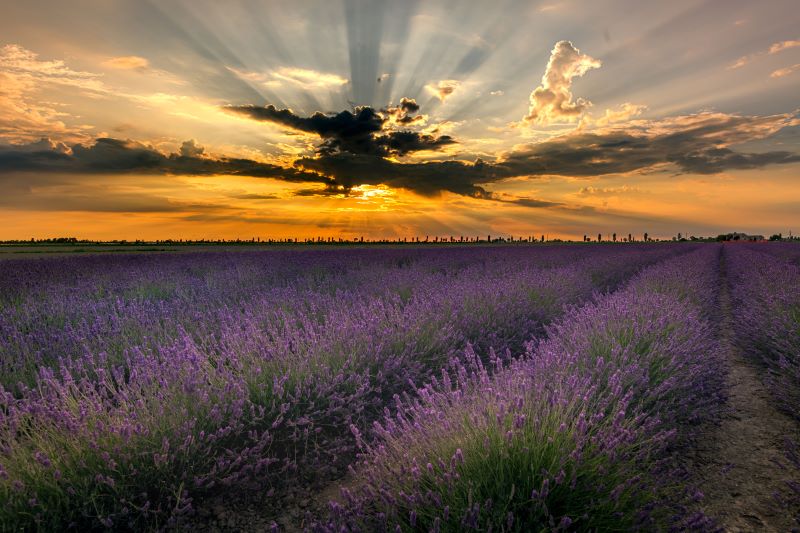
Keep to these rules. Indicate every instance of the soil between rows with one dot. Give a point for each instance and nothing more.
(739, 464)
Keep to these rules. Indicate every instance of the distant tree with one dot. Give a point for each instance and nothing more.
(614, 237)
(646, 237)
(630, 237)
(585, 238)
(599, 237)
(776, 237)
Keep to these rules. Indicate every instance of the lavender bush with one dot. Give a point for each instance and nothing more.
(765, 289)
(134, 385)
(573, 435)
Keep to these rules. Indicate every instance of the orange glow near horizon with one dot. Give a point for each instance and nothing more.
(230, 207)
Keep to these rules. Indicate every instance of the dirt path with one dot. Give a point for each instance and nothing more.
(290, 512)
(738, 463)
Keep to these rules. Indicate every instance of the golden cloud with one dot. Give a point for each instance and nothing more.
(443, 89)
(127, 63)
(552, 102)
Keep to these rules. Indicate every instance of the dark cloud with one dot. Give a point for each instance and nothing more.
(190, 148)
(21, 159)
(404, 113)
(331, 190)
(715, 160)
(255, 196)
(349, 170)
(583, 155)
(403, 142)
(696, 144)
(365, 121)
(360, 132)
(532, 202)
(356, 145)
(108, 155)
(409, 105)
(692, 144)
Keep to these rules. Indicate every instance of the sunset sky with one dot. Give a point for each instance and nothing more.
(200, 119)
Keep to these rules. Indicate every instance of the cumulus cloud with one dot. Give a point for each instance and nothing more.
(409, 105)
(552, 101)
(443, 89)
(358, 132)
(404, 113)
(127, 63)
(190, 148)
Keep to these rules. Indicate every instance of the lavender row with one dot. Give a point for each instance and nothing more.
(218, 372)
(785, 251)
(576, 434)
(765, 290)
(59, 310)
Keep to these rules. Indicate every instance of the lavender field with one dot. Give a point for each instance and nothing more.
(502, 388)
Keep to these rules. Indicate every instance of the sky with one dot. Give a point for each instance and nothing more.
(140, 119)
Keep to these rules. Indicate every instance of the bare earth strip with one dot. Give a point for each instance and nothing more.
(740, 463)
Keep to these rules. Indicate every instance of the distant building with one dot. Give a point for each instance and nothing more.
(735, 236)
